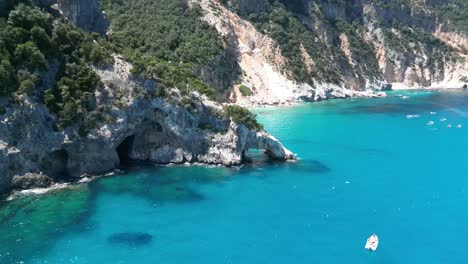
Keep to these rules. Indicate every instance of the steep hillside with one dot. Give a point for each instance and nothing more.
(304, 48)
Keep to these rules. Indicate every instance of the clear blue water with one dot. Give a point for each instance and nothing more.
(364, 167)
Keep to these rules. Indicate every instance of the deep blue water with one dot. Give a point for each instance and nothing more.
(364, 167)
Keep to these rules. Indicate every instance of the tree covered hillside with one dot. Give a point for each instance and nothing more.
(166, 40)
(49, 59)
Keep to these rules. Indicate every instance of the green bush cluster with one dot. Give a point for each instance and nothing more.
(30, 41)
(74, 97)
(165, 40)
(242, 115)
(170, 75)
(245, 91)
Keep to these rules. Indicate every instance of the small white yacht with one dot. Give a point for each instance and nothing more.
(372, 243)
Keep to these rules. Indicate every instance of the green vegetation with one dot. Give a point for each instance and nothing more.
(165, 40)
(245, 91)
(454, 13)
(170, 75)
(30, 41)
(282, 26)
(2, 110)
(243, 116)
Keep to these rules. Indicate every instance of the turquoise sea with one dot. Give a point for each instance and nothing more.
(365, 166)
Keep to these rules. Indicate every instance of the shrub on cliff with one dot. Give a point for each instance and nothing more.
(170, 75)
(242, 115)
(245, 91)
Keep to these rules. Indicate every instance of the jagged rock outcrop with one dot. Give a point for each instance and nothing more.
(141, 128)
(30, 180)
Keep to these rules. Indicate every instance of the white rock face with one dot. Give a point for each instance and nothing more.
(147, 129)
(263, 66)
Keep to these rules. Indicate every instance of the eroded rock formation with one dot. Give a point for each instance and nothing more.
(147, 129)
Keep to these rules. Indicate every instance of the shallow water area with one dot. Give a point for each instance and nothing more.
(366, 165)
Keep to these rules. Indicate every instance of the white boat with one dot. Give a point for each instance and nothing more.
(372, 243)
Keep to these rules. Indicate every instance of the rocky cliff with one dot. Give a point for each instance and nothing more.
(140, 128)
(314, 50)
(85, 14)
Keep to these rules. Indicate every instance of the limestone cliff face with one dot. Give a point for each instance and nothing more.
(400, 51)
(141, 128)
(85, 14)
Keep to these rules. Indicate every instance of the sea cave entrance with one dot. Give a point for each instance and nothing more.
(124, 149)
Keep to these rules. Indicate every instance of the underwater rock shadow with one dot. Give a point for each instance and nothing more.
(303, 166)
(131, 239)
(310, 166)
(153, 188)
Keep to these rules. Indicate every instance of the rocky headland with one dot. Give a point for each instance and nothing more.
(267, 53)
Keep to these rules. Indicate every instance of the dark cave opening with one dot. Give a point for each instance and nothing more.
(56, 162)
(124, 149)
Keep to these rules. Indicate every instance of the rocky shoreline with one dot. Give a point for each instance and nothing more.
(157, 130)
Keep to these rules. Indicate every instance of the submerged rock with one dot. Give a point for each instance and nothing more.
(130, 239)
